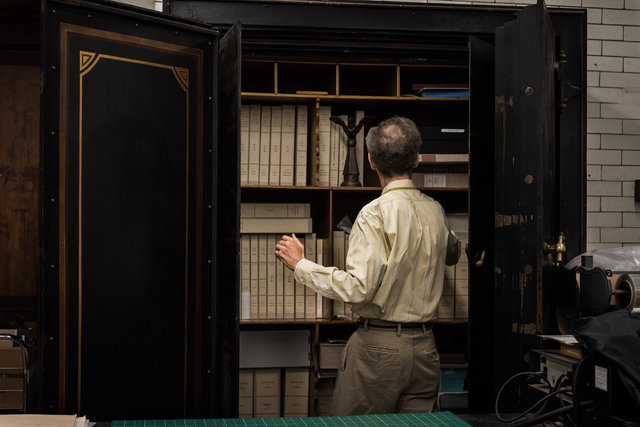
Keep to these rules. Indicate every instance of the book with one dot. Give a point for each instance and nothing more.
(439, 86)
(444, 180)
(262, 276)
(338, 261)
(280, 289)
(443, 158)
(342, 150)
(272, 239)
(254, 144)
(275, 210)
(334, 153)
(301, 146)
(253, 289)
(274, 151)
(314, 147)
(324, 145)
(444, 93)
(445, 140)
(323, 305)
(310, 246)
(288, 144)
(348, 313)
(289, 294)
(360, 158)
(299, 292)
(265, 140)
(276, 225)
(244, 144)
(245, 276)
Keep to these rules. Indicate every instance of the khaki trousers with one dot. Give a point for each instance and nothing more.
(383, 370)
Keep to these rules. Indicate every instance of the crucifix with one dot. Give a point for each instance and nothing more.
(350, 171)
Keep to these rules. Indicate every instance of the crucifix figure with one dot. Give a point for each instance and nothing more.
(350, 171)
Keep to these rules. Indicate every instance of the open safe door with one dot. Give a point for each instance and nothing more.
(130, 189)
(525, 187)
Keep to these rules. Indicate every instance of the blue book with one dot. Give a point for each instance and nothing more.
(441, 93)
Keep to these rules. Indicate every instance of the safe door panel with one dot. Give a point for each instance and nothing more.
(525, 185)
(130, 215)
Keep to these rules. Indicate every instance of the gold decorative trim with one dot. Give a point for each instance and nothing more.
(86, 59)
(182, 75)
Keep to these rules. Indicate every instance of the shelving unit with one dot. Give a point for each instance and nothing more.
(382, 89)
(331, 81)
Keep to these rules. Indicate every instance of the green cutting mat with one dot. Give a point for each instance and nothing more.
(435, 419)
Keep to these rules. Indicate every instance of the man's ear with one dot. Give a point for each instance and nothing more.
(373, 166)
(415, 164)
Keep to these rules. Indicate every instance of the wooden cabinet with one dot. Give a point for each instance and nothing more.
(379, 90)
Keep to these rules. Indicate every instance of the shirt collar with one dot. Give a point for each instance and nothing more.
(400, 184)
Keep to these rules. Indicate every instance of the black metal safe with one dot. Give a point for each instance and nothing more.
(526, 123)
(139, 189)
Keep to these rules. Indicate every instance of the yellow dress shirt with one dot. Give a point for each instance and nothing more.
(396, 259)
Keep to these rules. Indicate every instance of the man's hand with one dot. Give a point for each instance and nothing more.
(290, 251)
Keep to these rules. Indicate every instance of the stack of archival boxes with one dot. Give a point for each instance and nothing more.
(454, 303)
(11, 375)
(274, 145)
(268, 290)
(260, 391)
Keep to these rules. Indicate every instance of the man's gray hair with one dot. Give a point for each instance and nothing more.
(394, 145)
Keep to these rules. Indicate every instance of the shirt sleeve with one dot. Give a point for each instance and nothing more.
(365, 265)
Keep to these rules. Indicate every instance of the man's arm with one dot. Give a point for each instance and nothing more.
(366, 263)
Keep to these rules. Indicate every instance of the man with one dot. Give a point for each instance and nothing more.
(393, 279)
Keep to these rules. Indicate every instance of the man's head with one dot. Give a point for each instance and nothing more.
(393, 146)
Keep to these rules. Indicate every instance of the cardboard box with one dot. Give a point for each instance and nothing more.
(245, 407)
(462, 307)
(571, 350)
(324, 406)
(245, 382)
(462, 270)
(11, 378)
(266, 382)
(329, 355)
(449, 280)
(266, 406)
(296, 382)
(462, 287)
(296, 406)
(453, 379)
(446, 307)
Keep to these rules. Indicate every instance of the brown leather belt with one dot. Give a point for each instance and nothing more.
(379, 323)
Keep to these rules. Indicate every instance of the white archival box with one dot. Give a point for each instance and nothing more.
(273, 349)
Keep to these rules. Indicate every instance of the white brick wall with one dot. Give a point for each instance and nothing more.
(613, 116)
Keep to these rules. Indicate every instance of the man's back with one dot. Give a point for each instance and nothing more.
(411, 251)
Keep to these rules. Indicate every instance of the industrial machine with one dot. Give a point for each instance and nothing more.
(597, 297)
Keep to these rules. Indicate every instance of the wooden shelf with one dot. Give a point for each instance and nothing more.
(293, 97)
(297, 322)
(332, 322)
(341, 189)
